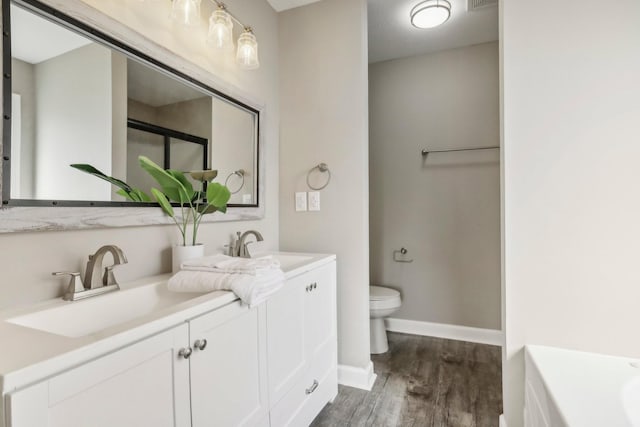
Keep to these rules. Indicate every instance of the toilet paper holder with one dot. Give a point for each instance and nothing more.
(400, 258)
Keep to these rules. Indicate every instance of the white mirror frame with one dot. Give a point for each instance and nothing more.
(18, 219)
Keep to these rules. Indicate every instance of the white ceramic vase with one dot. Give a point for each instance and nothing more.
(185, 253)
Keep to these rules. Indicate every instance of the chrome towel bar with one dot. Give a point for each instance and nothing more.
(426, 152)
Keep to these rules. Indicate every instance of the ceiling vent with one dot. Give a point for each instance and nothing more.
(480, 4)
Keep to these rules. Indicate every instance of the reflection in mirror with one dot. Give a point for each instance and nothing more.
(165, 147)
(78, 101)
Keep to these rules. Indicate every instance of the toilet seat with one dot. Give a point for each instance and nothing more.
(381, 298)
(377, 293)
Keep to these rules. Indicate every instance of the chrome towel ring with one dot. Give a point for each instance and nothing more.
(241, 173)
(323, 168)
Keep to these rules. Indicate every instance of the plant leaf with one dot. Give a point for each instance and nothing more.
(183, 180)
(126, 195)
(218, 195)
(126, 191)
(171, 186)
(95, 172)
(163, 202)
(141, 195)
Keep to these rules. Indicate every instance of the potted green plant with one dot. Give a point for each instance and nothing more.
(194, 204)
(175, 187)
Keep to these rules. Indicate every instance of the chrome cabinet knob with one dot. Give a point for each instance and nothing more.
(200, 344)
(185, 352)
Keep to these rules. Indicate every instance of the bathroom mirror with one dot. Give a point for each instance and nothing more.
(78, 96)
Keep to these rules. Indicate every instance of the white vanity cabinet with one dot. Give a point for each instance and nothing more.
(225, 365)
(302, 347)
(144, 384)
(222, 383)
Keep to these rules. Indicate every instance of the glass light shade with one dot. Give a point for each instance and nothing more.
(186, 12)
(220, 35)
(247, 54)
(430, 13)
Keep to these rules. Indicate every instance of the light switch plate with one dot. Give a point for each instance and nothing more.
(314, 200)
(301, 201)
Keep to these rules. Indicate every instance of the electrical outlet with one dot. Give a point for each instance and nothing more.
(246, 199)
(301, 201)
(314, 200)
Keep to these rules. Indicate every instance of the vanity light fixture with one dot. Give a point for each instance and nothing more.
(186, 12)
(430, 13)
(220, 34)
(247, 55)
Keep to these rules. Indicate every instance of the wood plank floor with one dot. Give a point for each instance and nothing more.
(424, 382)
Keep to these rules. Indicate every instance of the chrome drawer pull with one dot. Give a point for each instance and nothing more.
(200, 344)
(313, 387)
(185, 352)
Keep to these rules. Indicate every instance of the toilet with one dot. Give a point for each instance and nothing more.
(383, 302)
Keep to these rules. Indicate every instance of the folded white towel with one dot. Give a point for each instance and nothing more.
(251, 289)
(227, 264)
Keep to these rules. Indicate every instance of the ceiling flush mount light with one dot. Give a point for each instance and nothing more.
(430, 13)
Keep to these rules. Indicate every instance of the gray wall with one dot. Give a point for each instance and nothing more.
(233, 149)
(445, 210)
(571, 198)
(323, 62)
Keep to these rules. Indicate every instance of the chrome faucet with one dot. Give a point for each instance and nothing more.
(239, 247)
(77, 290)
(94, 267)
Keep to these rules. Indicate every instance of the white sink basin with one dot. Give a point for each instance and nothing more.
(84, 317)
(631, 401)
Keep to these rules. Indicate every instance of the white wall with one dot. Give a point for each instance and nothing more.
(73, 123)
(445, 210)
(27, 259)
(571, 199)
(323, 82)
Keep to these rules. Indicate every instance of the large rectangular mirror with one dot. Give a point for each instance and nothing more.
(79, 99)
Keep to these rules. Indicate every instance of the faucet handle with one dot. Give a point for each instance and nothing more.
(75, 283)
(108, 278)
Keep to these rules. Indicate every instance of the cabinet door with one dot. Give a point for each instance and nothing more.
(320, 314)
(229, 377)
(145, 384)
(286, 337)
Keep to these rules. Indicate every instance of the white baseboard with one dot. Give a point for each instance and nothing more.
(441, 330)
(503, 421)
(352, 376)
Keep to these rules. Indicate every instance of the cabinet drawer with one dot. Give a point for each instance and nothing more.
(301, 405)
